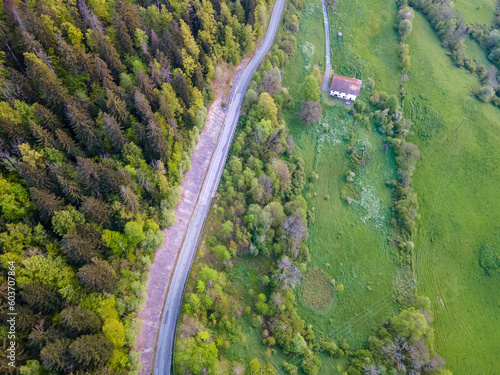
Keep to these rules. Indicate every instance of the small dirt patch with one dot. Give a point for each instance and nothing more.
(316, 291)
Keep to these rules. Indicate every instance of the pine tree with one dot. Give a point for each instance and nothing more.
(91, 351)
(17, 86)
(97, 211)
(89, 177)
(114, 133)
(34, 176)
(47, 119)
(84, 128)
(123, 35)
(117, 107)
(41, 298)
(143, 106)
(76, 60)
(77, 320)
(181, 87)
(97, 276)
(82, 245)
(54, 355)
(104, 47)
(50, 89)
(105, 74)
(129, 198)
(46, 202)
(42, 136)
(146, 86)
(158, 149)
(129, 14)
(171, 44)
(67, 144)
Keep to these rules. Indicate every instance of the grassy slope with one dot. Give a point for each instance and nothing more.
(351, 252)
(457, 184)
(481, 11)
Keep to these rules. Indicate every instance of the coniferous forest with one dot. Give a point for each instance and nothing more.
(102, 103)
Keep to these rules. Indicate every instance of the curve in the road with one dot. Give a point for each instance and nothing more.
(163, 360)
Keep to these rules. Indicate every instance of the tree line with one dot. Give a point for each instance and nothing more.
(101, 106)
(451, 28)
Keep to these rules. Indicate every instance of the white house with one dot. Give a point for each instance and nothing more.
(345, 87)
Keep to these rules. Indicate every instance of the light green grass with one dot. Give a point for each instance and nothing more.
(475, 52)
(369, 42)
(481, 11)
(354, 253)
(457, 182)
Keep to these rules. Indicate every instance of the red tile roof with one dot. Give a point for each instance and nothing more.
(346, 85)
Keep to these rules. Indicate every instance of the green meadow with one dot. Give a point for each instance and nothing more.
(368, 42)
(348, 243)
(480, 11)
(457, 185)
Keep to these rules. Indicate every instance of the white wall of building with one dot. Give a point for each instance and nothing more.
(343, 95)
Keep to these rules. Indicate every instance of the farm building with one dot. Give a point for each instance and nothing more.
(345, 87)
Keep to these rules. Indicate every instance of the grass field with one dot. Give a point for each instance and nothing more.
(475, 52)
(348, 242)
(457, 185)
(481, 11)
(368, 42)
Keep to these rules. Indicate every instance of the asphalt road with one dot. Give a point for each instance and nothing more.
(328, 53)
(163, 358)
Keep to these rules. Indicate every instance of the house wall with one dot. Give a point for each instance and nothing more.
(343, 95)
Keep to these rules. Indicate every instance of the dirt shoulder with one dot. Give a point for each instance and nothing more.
(161, 270)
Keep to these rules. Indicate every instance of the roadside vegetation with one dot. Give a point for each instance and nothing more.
(101, 107)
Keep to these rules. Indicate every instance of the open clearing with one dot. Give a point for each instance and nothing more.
(457, 185)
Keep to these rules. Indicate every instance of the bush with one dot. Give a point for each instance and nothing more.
(405, 28)
(391, 104)
(489, 259)
(484, 93)
(310, 111)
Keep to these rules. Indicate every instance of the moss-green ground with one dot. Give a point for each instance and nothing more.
(457, 182)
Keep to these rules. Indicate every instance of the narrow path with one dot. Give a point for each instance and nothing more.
(328, 66)
(164, 348)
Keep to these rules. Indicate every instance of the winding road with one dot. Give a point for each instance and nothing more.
(164, 352)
